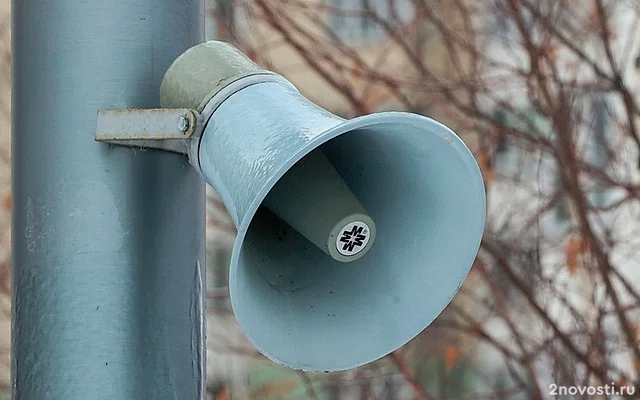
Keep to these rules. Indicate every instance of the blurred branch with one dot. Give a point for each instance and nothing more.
(409, 376)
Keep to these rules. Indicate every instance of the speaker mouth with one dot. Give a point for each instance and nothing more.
(308, 312)
(418, 183)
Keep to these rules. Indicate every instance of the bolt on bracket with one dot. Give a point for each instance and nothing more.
(169, 129)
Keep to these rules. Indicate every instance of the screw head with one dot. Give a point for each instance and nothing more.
(183, 124)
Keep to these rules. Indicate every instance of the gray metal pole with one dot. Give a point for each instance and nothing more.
(108, 242)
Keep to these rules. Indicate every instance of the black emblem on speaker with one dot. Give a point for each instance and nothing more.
(353, 238)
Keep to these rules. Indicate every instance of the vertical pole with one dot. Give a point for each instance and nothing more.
(108, 242)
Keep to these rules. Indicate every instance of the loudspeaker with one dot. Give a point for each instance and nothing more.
(353, 235)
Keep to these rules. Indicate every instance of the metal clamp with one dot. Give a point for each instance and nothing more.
(170, 129)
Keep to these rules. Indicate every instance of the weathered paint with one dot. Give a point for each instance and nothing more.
(416, 179)
(107, 240)
(202, 71)
(158, 128)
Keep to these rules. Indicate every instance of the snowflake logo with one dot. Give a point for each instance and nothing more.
(353, 238)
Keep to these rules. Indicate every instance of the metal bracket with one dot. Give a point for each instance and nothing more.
(170, 129)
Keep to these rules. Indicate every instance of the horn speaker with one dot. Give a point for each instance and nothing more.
(353, 235)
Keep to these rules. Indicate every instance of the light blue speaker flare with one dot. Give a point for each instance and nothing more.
(297, 180)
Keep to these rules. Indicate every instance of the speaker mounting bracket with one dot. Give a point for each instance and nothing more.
(169, 129)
